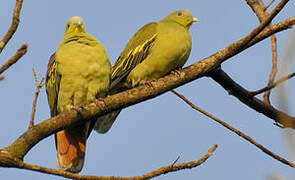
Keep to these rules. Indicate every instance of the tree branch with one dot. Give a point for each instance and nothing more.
(264, 23)
(246, 97)
(199, 69)
(10, 156)
(239, 133)
(260, 11)
(155, 173)
(14, 24)
(267, 6)
(39, 85)
(20, 52)
(283, 79)
(274, 68)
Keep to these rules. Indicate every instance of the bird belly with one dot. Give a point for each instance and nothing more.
(82, 75)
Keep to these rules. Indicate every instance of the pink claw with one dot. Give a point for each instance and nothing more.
(100, 100)
(176, 71)
(148, 82)
(77, 108)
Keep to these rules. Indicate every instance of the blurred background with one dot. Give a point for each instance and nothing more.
(153, 133)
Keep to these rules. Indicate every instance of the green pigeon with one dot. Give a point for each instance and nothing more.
(154, 50)
(77, 74)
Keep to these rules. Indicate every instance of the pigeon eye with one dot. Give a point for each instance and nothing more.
(179, 14)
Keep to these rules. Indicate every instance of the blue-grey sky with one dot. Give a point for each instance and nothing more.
(153, 133)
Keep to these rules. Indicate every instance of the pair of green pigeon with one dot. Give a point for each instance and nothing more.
(80, 72)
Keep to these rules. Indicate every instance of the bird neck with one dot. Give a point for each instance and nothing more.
(169, 21)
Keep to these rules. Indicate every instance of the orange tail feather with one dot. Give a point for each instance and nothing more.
(71, 147)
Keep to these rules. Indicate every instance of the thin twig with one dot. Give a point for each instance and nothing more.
(274, 53)
(239, 133)
(266, 7)
(39, 85)
(254, 93)
(1, 78)
(174, 162)
(158, 172)
(14, 25)
(20, 52)
(274, 68)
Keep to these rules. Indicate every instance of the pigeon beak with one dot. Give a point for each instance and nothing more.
(80, 23)
(195, 19)
(80, 27)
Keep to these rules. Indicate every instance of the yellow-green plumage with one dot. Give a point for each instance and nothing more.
(154, 51)
(85, 68)
(77, 74)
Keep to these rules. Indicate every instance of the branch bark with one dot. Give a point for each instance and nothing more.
(155, 173)
(260, 10)
(247, 98)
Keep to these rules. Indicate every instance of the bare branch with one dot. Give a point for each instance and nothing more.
(246, 97)
(158, 172)
(20, 52)
(264, 23)
(258, 8)
(39, 85)
(14, 25)
(274, 68)
(283, 79)
(266, 7)
(25, 142)
(239, 133)
(13, 155)
(175, 161)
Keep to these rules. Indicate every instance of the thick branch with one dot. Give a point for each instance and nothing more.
(118, 101)
(242, 44)
(264, 23)
(14, 24)
(246, 97)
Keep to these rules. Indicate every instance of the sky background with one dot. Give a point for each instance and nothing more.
(153, 133)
